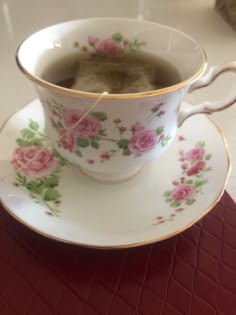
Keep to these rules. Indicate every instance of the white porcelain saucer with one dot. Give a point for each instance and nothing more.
(58, 201)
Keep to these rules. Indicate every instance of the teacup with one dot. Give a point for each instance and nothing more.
(111, 136)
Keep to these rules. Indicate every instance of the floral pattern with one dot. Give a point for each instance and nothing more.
(194, 166)
(143, 141)
(110, 47)
(38, 168)
(88, 127)
(79, 131)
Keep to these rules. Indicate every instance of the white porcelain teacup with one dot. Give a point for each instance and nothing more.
(111, 136)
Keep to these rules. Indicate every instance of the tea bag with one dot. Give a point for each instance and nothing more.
(114, 77)
(91, 83)
(89, 78)
(142, 84)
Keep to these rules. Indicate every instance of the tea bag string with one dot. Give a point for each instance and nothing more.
(66, 128)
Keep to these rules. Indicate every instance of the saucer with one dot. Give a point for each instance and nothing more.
(55, 199)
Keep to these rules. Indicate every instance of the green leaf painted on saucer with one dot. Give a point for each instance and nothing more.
(35, 186)
(33, 125)
(190, 202)
(27, 133)
(51, 194)
(22, 142)
(42, 180)
(208, 157)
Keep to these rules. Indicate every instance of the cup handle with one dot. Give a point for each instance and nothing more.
(209, 107)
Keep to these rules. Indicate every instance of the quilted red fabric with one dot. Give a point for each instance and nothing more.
(192, 273)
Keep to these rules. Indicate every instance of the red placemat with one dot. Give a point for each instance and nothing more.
(192, 273)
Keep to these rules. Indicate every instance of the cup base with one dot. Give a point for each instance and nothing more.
(111, 178)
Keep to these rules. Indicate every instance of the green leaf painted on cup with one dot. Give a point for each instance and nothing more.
(102, 132)
(100, 116)
(83, 143)
(159, 130)
(117, 37)
(189, 181)
(95, 144)
(126, 152)
(167, 193)
(123, 143)
(78, 153)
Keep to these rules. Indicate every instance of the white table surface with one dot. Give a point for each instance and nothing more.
(198, 18)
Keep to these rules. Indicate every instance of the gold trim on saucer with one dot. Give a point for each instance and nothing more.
(132, 244)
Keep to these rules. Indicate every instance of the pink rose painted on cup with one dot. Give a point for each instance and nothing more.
(108, 47)
(196, 168)
(157, 107)
(93, 41)
(143, 142)
(122, 129)
(183, 192)
(117, 120)
(105, 156)
(67, 140)
(125, 43)
(137, 127)
(88, 126)
(42, 165)
(195, 154)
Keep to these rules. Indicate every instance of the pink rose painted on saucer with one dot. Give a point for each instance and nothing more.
(194, 167)
(194, 154)
(38, 167)
(182, 192)
(34, 161)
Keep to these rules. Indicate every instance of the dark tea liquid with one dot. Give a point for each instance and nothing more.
(130, 73)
